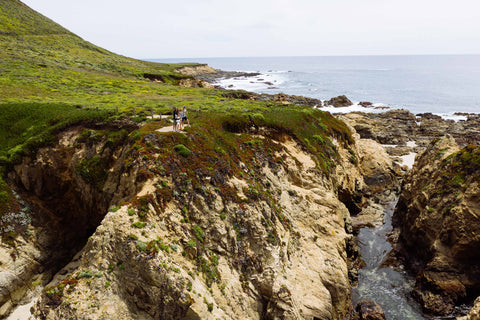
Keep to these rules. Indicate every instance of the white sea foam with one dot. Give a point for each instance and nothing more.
(411, 144)
(388, 145)
(354, 108)
(409, 159)
(258, 83)
(451, 116)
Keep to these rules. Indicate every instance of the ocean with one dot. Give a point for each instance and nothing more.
(440, 84)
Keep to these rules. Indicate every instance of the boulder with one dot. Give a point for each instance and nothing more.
(365, 104)
(340, 101)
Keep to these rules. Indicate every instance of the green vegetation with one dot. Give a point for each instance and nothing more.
(84, 274)
(138, 224)
(93, 170)
(182, 150)
(199, 234)
(460, 167)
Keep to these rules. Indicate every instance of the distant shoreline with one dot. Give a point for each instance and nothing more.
(440, 84)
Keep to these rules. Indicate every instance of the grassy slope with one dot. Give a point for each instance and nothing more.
(49, 78)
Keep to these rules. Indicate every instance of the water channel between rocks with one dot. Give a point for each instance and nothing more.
(386, 285)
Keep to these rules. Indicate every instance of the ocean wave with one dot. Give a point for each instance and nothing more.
(451, 116)
(352, 108)
(259, 83)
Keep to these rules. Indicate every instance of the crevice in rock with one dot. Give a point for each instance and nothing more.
(66, 206)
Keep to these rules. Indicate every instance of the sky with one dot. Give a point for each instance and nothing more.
(150, 29)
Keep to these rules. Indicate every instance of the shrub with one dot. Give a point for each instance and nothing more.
(138, 224)
(131, 211)
(199, 234)
(182, 150)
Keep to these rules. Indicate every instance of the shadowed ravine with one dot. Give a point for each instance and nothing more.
(388, 286)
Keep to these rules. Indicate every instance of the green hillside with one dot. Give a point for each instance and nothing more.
(18, 19)
(51, 78)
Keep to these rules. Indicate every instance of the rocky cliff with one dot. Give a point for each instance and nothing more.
(197, 230)
(64, 192)
(437, 216)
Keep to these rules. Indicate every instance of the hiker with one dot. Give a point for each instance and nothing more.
(176, 119)
(180, 115)
(184, 117)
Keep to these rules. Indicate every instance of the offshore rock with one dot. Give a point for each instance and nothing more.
(340, 101)
(437, 215)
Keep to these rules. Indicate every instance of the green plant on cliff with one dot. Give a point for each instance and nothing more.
(93, 170)
(459, 167)
(182, 150)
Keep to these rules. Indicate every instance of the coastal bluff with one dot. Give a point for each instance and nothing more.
(279, 248)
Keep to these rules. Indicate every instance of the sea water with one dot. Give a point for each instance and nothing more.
(440, 84)
(388, 286)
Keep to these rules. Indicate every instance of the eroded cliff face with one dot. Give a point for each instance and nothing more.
(437, 216)
(264, 236)
(63, 204)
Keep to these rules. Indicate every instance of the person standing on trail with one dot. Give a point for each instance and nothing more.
(180, 115)
(176, 119)
(184, 117)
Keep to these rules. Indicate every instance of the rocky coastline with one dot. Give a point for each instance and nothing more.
(161, 248)
(206, 73)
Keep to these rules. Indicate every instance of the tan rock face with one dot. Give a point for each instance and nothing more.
(196, 70)
(174, 249)
(249, 265)
(437, 216)
(62, 209)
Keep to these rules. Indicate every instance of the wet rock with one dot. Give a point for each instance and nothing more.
(369, 310)
(365, 104)
(340, 101)
(428, 115)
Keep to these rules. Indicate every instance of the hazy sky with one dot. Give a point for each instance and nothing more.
(233, 28)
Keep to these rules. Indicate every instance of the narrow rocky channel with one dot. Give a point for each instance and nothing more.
(379, 281)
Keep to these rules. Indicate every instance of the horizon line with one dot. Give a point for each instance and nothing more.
(316, 56)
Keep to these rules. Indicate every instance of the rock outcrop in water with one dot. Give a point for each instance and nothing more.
(438, 218)
(208, 246)
(340, 101)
